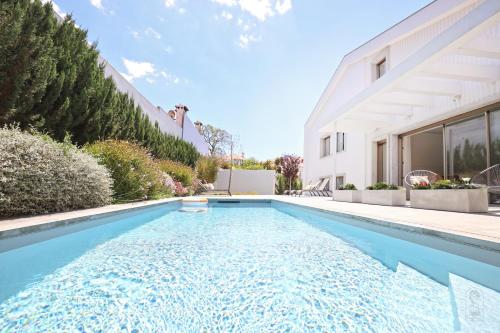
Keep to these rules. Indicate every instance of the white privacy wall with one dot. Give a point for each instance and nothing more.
(258, 181)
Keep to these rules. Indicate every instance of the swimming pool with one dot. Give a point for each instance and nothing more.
(242, 267)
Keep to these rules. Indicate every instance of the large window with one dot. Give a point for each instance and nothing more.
(466, 148)
(340, 142)
(495, 137)
(325, 146)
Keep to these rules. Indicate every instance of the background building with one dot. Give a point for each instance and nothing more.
(424, 94)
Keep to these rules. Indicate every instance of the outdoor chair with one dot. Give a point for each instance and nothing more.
(322, 188)
(306, 189)
(418, 176)
(489, 178)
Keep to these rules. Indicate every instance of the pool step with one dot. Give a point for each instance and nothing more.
(477, 308)
(412, 298)
(194, 205)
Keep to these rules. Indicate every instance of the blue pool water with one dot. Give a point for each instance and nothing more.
(241, 268)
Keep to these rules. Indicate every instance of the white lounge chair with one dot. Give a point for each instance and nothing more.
(322, 188)
(308, 188)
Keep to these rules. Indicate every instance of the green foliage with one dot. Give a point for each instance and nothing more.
(136, 175)
(50, 79)
(446, 184)
(39, 175)
(382, 186)
(282, 184)
(206, 169)
(348, 187)
(251, 164)
(178, 171)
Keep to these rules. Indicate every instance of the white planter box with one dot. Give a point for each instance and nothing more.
(465, 201)
(384, 197)
(347, 195)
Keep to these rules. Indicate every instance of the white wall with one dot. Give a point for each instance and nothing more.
(165, 122)
(192, 135)
(258, 181)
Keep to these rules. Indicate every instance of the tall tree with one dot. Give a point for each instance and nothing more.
(290, 167)
(218, 140)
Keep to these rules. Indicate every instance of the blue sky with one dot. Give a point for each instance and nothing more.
(255, 68)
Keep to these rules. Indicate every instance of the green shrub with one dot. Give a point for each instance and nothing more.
(446, 184)
(180, 172)
(382, 186)
(442, 184)
(39, 175)
(348, 187)
(281, 184)
(206, 169)
(136, 176)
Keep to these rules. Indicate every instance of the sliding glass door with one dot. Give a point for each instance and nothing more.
(466, 148)
(495, 137)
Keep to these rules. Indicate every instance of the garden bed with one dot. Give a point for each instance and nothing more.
(384, 197)
(453, 200)
(347, 195)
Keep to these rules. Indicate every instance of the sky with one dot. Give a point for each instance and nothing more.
(255, 68)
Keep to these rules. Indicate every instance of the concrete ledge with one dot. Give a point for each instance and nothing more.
(18, 226)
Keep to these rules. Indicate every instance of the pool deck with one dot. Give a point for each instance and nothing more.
(481, 230)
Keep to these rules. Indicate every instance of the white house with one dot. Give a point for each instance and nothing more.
(424, 94)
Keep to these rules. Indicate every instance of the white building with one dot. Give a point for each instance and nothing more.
(424, 94)
(178, 125)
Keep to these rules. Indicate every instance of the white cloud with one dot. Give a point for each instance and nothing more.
(169, 3)
(246, 39)
(261, 9)
(228, 3)
(97, 4)
(57, 9)
(152, 33)
(283, 6)
(182, 11)
(227, 15)
(135, 34)
(137, 70)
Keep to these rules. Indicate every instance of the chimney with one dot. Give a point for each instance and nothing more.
(198, 124)
(172, 114)
(180, 111)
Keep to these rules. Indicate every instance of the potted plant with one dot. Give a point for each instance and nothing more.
(450, 195)
(347, 193)
(384, 194)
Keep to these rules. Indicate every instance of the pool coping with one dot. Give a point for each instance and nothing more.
(455, 237)
(19, 226)
(24, 225)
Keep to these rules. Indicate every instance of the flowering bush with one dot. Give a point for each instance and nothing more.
(136, 176)
(422, 185)
(169, 182)
(39, 175)
(180, 172)
(180, 190)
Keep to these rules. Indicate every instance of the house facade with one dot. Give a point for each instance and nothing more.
(424, 94)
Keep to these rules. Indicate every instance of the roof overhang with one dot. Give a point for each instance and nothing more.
(455, 68)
